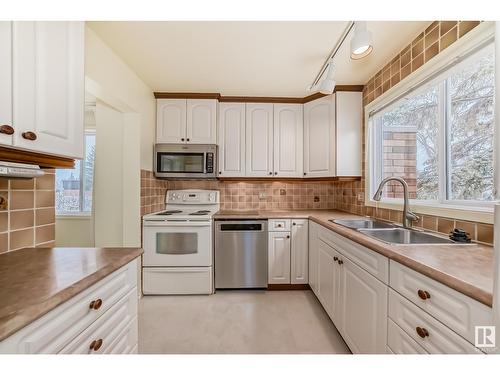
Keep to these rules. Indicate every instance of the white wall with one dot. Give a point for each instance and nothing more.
(75, 231)
(117, 80)
(117, 179)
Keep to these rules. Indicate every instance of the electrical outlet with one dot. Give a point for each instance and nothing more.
(262, 195)
(282, 192)
(361, 197)
(316, 198)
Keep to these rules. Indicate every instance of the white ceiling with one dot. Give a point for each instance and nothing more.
(254, 58)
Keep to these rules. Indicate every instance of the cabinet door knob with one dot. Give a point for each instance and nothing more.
(275, 173)
(270, 173)
(305, 173)
(182, 139)
(187, 139)
(6, 129)
(341, 262)
(335, 259)
(294, 223)
(96, 305)
(96, 345)
(30, 136)
(423, 294)
(287, 236)
(422, 332)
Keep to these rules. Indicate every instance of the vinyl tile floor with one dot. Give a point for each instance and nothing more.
(239, 322)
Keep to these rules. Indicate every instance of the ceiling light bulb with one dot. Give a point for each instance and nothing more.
(361, 42)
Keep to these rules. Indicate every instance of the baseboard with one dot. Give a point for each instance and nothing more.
(288, 287)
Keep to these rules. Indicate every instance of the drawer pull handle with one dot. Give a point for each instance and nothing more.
(6, 129)
(96, 305)
(423, 294)
(279, 225)
(96, 345)
(30, 136)
(422, 332)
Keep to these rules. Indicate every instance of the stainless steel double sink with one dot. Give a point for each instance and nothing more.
(391, 233)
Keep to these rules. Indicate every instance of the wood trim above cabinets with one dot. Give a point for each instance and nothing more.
(289, 179)
(21, 156)
(261, 99)
(251, 99)
(186, 95)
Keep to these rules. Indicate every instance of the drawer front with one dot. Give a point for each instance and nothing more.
(126, 342)
(400, 342)
(108, 328)
(454, 309)
(369, 260)
(56, 329)
(440, 339)
(279, 225)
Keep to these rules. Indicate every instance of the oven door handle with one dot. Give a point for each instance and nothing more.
(167, 223)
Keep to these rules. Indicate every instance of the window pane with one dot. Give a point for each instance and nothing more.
(73, 185)
(88, 172)
(68, 189)
(470, 133)
(409, 142)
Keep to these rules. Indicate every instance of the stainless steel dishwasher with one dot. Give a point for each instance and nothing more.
(240, 254)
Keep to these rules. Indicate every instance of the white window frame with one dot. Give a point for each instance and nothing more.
(429, 74)
(81, 214)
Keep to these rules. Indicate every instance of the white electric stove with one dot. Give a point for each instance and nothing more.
(178, 244)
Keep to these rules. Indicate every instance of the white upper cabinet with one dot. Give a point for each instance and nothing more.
(42, 87)
(259, 140)
(349, 107)
(48, 87)
(6, 127)
(186, 121)
(201, 121)
(231, 139)
(288, 140)
(171, 120)
(319, 137)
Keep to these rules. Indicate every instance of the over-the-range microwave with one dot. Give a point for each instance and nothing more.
(185, 160)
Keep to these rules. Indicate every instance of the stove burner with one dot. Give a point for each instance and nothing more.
(200, 212)
(169, 212)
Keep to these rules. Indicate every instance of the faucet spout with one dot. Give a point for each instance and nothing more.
(408, 215)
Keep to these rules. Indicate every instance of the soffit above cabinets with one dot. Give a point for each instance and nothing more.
(255, 58)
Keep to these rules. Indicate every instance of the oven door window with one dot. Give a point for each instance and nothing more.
(176, 243)
(180, 162)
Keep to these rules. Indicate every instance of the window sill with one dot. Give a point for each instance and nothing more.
(75, 216)
(477, 214)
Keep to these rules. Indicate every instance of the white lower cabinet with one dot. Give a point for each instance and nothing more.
(279, 258)
(361, 309)
(299, 269)
(77, 327)
(376, 313)
(288, 251)
(313, 257)
(328, 278)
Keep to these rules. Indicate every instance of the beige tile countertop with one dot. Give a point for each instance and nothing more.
(465, 268)
(36, 280)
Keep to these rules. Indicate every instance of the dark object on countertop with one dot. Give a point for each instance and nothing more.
(459, 235)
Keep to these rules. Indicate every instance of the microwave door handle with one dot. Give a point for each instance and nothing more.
(204, 163)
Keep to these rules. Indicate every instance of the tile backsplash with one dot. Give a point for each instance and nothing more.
(239, 195)
(29, 216)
